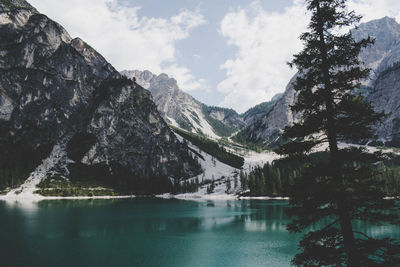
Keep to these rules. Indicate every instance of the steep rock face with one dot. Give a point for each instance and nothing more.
(58, 90)
(268, 127)
(182, 110)
(224, 121)
(385, 97)
(10, 5)
(171, 101)
(379, 57)
(258, 111)
(385, 51)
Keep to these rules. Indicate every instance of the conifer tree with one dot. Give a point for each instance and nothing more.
(335, 192)
(262, 184)
(235, 180)
(228, 186)
(243, 180)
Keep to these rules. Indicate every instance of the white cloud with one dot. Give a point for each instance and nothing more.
(125, 39)
(196, 56)
(265, 41)
(376, 9)
(186, 79)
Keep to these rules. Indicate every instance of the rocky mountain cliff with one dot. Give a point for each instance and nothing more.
(381, 89)
(182, 110)
(267, 128)
(62, 101)
(386, 97)
(256, 112)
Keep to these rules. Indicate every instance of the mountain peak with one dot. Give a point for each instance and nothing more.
(163, 76)
(10, 5)
(386, 19)
(380, 25)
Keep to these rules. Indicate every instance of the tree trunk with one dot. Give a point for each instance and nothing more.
(343, 209)
(348, 234)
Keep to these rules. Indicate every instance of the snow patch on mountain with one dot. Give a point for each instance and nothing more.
(222, 174)
(26, 192)
(202, 125)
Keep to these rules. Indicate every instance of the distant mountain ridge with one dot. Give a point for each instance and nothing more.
(182, 110)
(382, 89)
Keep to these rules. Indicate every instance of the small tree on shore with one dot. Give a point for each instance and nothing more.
(211, 187)
(340, 190)
(228, 185)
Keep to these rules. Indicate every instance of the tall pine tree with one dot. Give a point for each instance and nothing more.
(335, 192)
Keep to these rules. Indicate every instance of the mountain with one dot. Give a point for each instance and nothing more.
(267, 128)
(182, 110)
(386, 50)
(385, 97)
(381, 89)
(66, 112)
(256, 112)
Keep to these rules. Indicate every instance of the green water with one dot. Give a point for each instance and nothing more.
(148, 232)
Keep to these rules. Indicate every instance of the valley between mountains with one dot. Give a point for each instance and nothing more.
(73, 126)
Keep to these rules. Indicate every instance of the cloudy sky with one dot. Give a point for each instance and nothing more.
(229, 53)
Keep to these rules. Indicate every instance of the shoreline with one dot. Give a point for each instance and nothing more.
(37, 198)
(196, 197)
(264, 198)
(88, 197)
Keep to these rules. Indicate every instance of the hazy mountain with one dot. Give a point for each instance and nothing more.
(256, 112)
(386, 97)
(182, 110)
(61, 99)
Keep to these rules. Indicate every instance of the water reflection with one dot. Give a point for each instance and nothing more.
(116, 217)
(149, 232)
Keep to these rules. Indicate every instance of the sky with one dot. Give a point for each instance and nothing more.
(229, 53)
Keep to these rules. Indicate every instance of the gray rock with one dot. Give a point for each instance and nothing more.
(181, 109)
(386, 98)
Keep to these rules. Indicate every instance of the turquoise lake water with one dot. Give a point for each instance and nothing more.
(149, 232)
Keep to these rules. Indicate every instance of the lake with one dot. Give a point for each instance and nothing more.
(149, 232)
